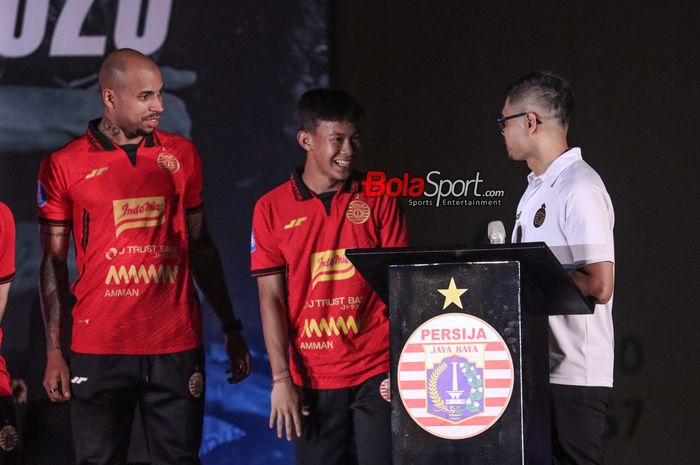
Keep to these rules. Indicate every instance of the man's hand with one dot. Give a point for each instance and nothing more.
(238, 355)
(286, 409)
(56, 377)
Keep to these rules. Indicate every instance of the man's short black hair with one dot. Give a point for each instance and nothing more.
(547, 90)
(325, 104)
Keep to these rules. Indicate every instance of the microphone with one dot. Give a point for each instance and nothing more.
(496, 232)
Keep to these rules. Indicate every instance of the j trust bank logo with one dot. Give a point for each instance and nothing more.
(330, 265)
(142, 212)
(440, 191)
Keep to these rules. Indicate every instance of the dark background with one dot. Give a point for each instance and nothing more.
(433, 75)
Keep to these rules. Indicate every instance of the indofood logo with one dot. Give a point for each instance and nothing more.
(142, 212)
(455, 376)
(433, 189)
(330, 265)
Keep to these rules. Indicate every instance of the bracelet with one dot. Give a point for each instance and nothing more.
(234, 325)
(281, 380)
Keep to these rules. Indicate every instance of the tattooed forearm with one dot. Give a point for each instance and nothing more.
(55, 295)
(54, 291)
(205, 263)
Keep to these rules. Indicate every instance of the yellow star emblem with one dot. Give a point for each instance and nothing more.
(452, 295)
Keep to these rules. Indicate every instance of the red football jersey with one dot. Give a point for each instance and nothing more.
(7, 274)
(338, 327)
(134, 290)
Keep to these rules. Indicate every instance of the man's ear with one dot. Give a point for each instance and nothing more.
(108, 98)
(304, 139)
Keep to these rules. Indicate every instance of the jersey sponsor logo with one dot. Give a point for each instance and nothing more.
(97, 172)
(358, 212)
(253, 244)
(330, 265)
(41, 197)
(316, 345)
(455, 376)
(540, 216)
(168, 162)
(330, 327)
(295, 222)
(141, 212)
(131, 274)
(78, 380)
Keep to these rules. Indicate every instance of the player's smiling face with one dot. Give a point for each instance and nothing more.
(331, 149)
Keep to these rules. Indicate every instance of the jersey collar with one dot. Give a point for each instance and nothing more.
(302, 192)
(557, 167)
(102, 142)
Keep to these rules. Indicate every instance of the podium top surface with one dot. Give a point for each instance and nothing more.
(535, 258)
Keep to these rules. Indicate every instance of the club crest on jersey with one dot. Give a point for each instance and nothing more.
(540, 216)
(358, 212)
(168, 162)
(196, 385)
(455, 376)
(8, 438)
(41, 197)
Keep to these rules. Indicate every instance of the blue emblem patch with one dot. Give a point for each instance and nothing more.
(252, 242)
(41, 197)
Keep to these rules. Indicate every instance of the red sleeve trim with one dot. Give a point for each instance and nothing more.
(51, 222)
(8, 278)
(267, 271)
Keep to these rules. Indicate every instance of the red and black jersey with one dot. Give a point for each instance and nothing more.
(7, 274)
(134, 291)
(338, 327)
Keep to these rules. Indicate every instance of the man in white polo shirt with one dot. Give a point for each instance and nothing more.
(566, 206)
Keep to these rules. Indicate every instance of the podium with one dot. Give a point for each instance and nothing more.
(469, 349)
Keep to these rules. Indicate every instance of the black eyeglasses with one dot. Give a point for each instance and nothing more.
(501, 120)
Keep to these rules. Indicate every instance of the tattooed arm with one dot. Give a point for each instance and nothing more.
(54, 292)
(208, 272)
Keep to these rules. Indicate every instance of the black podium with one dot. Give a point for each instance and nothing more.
(469, 349)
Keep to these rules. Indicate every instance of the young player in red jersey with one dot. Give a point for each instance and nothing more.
(8, 431)
(326, 331)
(131, 195)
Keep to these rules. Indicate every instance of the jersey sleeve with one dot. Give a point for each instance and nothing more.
(52, 195)
(589, 225)
(193, 189)
(265, 257)
(7, 245)
(393, 231)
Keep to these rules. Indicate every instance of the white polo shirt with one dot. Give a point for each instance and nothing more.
(568, 208)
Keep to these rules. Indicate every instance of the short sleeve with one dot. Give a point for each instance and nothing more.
(589, 224)
(52, 196)
(7, 245)
(193, 189)
(265, 257)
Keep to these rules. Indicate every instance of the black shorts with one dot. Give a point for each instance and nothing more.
(346, 426)
(168, 389)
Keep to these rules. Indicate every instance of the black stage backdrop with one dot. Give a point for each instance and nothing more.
(433, 75)
(233, 71)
